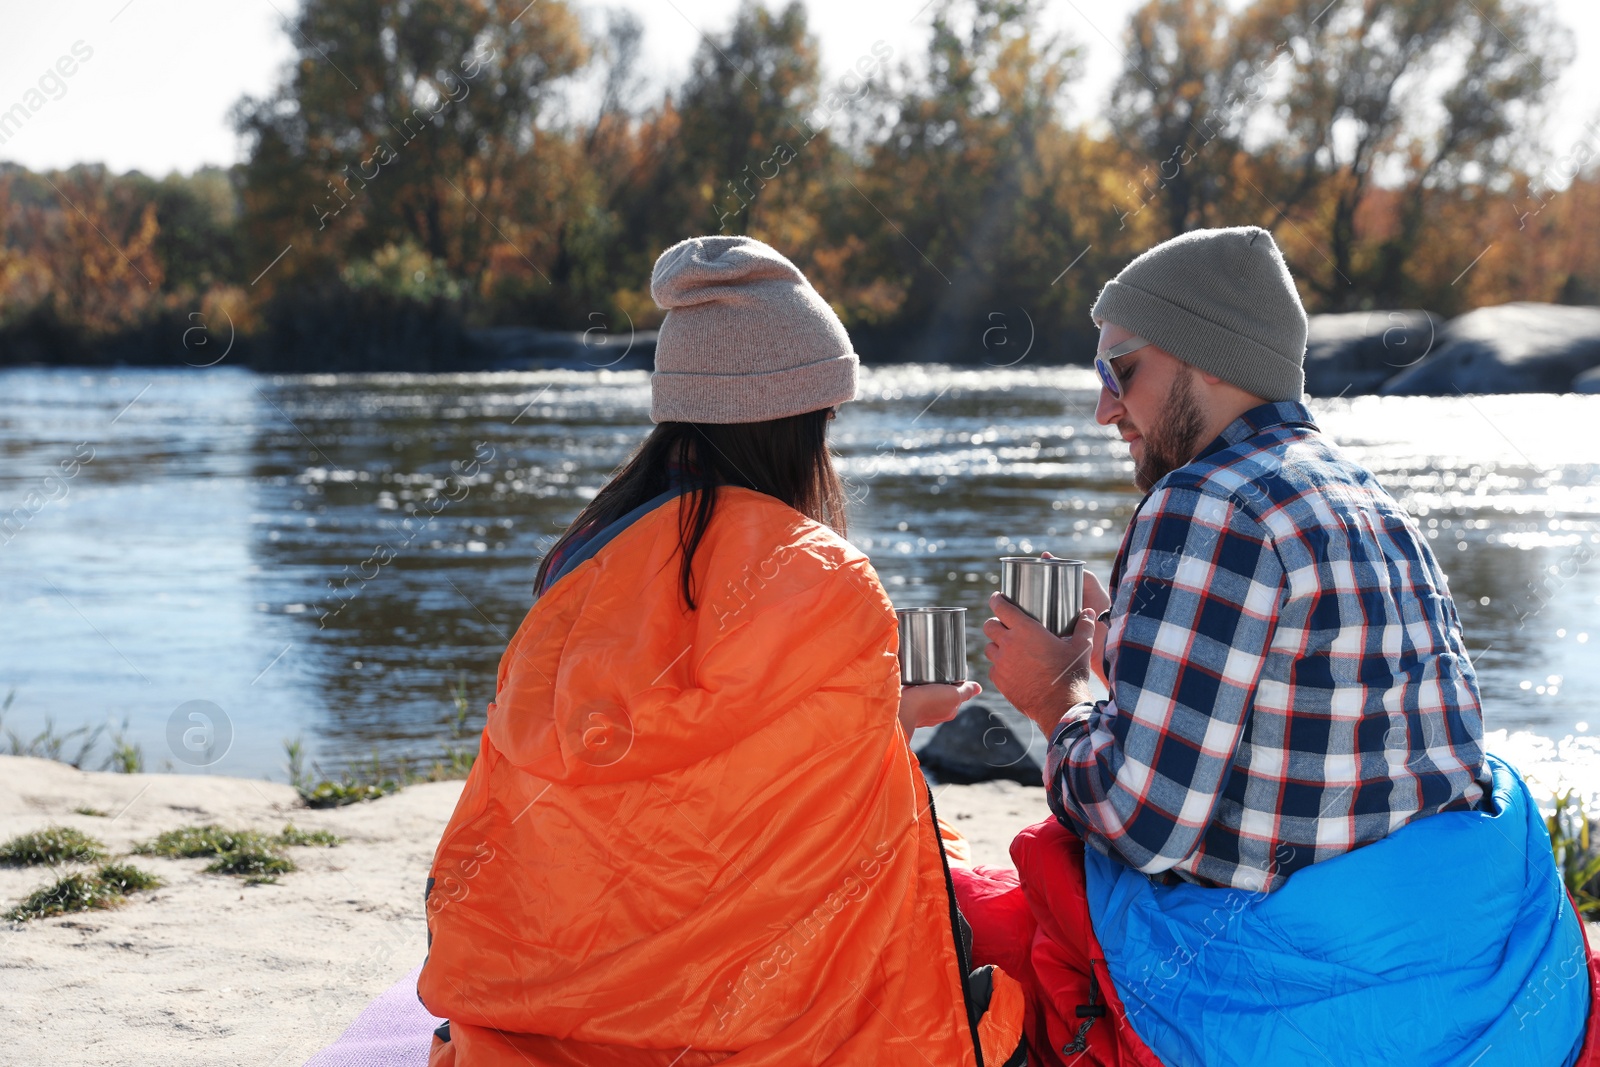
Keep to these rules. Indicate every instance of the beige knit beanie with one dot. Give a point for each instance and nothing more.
(746, 337)
(1220, 300)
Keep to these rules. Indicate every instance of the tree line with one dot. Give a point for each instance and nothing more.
(423, 169)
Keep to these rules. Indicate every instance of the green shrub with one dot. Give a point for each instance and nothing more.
(125, 758)
(338, 794)
(1577, 861)
(48, 744)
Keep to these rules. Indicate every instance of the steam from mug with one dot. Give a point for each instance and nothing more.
(1050, 590)
(933, 646)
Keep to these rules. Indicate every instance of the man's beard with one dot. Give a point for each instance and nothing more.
(1174, 438)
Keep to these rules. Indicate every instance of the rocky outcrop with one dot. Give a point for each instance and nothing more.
(526, 348)
(1356, 352)
(1512, 348)
(981, 745)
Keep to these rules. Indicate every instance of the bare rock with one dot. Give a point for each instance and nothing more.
(1512, 348)
(1356, 352)
(981, 745)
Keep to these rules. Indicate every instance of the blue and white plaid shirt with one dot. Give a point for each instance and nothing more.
(1287, 674)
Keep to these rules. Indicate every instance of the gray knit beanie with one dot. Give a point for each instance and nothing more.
(1221, 301)
(746, 337)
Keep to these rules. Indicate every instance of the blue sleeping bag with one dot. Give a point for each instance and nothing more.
(1449, 942)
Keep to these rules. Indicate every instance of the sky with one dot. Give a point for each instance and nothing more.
(161, 76)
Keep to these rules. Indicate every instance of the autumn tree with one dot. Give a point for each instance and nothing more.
(1190, 87)
(1427, 96)
(411, 122)
(198, 217)
(96, 239)
(962, 214)
(25, 276)
(746, 123)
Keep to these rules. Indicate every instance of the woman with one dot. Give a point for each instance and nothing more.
(695, 833)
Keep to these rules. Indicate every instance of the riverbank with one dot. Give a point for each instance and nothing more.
(208, 968)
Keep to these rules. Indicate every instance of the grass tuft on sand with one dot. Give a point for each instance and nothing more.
(187, 842)
(125, 878)
(258, 863)
(371, 780)
(293, 835)
(106, 887)
(351, 791)
(54, 845)
(255, 856)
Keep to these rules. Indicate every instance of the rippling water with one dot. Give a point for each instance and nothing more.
(188, 555)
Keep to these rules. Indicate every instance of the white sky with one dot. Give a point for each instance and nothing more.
(156, 93)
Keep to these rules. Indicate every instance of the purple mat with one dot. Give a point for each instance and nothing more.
(393, 1031)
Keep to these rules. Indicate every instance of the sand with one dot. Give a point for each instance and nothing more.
(207, 970)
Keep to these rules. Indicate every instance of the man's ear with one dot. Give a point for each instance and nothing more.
(1210, 379)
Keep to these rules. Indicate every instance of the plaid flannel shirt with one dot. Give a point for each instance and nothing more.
(1287, 674)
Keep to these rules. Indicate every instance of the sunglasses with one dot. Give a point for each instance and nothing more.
(1102, 363)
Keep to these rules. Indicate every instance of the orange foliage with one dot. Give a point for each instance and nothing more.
(923, 196)
(90, 256)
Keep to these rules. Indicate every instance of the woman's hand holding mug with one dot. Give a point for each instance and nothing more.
(930, 705)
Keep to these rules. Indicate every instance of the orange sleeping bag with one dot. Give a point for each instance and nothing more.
(700, 837)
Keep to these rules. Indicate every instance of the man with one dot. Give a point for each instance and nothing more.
(1288, 686)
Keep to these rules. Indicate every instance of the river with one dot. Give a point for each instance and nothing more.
(171, 537)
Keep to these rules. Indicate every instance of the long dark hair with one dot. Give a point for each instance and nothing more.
(785, 458)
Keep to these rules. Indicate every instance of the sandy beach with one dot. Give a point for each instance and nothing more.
(207, 969)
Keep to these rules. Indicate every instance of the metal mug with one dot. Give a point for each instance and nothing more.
(1049, 590)
(933, 646)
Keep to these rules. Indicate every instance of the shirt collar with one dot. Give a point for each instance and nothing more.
(1258, 420)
